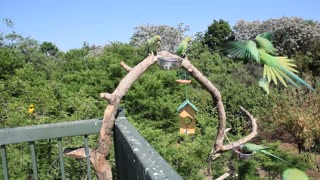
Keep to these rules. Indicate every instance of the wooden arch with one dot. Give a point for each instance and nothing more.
(98, 156)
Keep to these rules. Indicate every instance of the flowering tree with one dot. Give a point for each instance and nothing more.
(170, 36)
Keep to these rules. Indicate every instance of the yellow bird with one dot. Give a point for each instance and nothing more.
(31, 109)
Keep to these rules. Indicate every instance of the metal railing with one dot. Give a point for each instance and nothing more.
(135, 157)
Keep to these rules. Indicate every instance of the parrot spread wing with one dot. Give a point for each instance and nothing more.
(275, 68)
(243, 49)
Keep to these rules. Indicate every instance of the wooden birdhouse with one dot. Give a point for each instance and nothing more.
(187, 112)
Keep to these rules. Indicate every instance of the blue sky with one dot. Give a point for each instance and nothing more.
(69, 23)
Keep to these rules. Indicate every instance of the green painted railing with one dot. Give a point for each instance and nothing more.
(135, 157)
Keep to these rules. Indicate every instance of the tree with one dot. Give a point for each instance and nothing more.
(170, 36)
(49, 48)
(217, 34)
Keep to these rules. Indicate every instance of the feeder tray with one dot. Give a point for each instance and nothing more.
(241, 155)
(183, 81)
(169, 63)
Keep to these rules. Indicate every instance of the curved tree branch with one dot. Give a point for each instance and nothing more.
(98, 156)
(251, 135)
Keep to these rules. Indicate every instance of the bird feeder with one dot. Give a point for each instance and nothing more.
(169, 63)
(187, 113)
(242, 156)
(183, 77)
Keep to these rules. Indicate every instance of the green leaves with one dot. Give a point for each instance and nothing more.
(216, 35)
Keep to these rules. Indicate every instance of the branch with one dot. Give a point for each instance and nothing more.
(78, 153)
(253, 133)
(106, 95)
(125, 66)
(98, 157)
(224, 176)
(105, 131)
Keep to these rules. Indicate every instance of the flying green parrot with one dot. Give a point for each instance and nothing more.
(262, 51)
(293, 174)
(181, 49)
(249, 148)
(153, 44)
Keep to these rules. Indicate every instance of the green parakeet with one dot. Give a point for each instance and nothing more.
(262, 51)
(249, 148)
(183, 46)
(153, 44)
(293, 174)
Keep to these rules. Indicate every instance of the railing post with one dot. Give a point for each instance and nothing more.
(86, 147)
(63, 174)
(4, 162)
(34, 160)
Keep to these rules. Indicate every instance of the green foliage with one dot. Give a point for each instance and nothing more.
(9, 61)
(49, 48)
(217, 34)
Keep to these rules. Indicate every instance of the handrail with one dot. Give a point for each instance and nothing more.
(49, 131)
(135, 157)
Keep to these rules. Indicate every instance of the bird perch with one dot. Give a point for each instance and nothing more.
(98, 156)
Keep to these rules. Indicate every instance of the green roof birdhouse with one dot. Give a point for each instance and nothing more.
(187, 112)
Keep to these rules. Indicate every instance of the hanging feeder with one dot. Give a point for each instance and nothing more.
(183, 77)
(169, 63)
(187, 112)
(242, 156)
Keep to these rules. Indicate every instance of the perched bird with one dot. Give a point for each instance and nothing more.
(249, 148)
(183, 46)
(153, 44)
(262, 51)
(31, 109)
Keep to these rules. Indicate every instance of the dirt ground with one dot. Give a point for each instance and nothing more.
(287, 144)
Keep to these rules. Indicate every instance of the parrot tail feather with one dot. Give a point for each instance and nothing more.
(267, 153)
(295, 77)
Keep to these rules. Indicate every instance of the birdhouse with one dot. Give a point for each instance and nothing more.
(187, 112)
